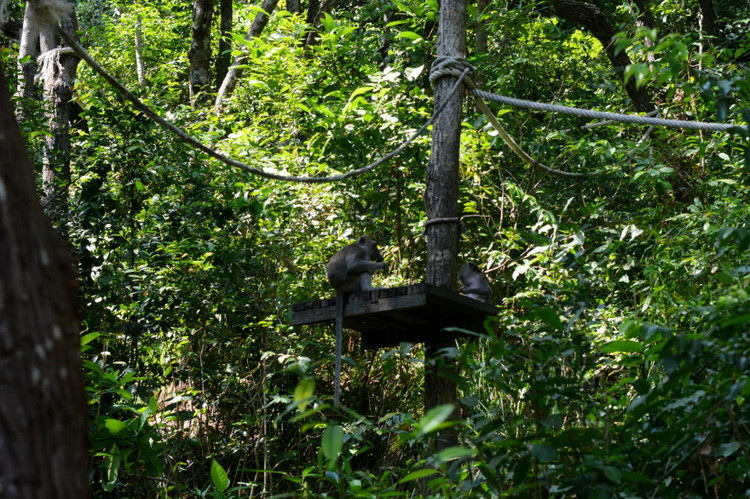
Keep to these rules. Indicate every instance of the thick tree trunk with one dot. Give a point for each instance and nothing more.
(28, 48)
(59, 74)
(293, 6)
(234, 73)
(43, 413)
(645, 17)
(594, 20)
(709, 20)
(199, 54)
(441, 201)
(225, 46)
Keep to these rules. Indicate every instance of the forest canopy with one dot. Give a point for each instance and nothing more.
(618, 363)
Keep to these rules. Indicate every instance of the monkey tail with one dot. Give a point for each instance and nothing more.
(340, 302)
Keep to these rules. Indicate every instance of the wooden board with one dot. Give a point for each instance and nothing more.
(389, 316)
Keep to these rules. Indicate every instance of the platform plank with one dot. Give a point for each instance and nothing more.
(388, 316)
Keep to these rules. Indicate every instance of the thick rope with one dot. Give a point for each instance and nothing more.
(586, 113)
(453, 66)
(138, 104)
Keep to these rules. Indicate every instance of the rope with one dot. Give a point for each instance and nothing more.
(442, 220)
(457, 66)
(138, 104)
(586, 113)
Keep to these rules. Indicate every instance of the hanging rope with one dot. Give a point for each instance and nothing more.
(138, 104)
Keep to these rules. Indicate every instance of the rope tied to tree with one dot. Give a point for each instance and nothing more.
(457, 67)
(50, 60)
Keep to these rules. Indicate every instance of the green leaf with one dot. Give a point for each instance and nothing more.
(303, 392)
(87, 338)
(410, 35)
(728, 448)
(219, 476)
(327, 21)
(625, 346)
(454, 453)
(111, 468)
(333, 442)
(434, 418)
(114, 425)
(544, 453)
(416, 475)
(614, 474)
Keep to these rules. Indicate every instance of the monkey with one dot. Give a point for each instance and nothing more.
(474, 283)
(350, 270)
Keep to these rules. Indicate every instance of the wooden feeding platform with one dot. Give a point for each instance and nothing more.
(388, 316)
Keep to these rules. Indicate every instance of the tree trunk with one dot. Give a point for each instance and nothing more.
(234, 73)
(709, 20)
(313, 14)
(441, 203)
(314, 11)
(594, 20)
(645, 19)
(199, 54)
(293, 6)
(480, 48)
(28, 48)
(140, 67)
(59, 74)
(225, 46)
(43, 413)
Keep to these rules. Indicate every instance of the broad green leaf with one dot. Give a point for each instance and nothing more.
(434, 417)
(624, 346)
(614, 474)
(454, 453)
(219, 476)
(544, 453)
(114, 425)
(87, 338)
(111, 468)
(333, 442)
(304, 391)
(416, 475)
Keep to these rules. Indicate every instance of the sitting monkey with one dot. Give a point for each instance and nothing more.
(474, 283)
(350, 270)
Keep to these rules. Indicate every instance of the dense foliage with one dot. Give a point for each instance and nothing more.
(618, 363)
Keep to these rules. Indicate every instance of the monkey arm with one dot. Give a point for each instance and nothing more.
(362, 266)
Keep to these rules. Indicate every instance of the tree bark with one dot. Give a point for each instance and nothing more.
(234, 73)
(28, 47)
(199, 54)
(645, 17)
(140, 66)
(43, 413)
(59, 74)
(225, 46)
(594, 20)
(314, 11)
(709, 20)
(441, 203)
(293, 6)
(313, 14)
